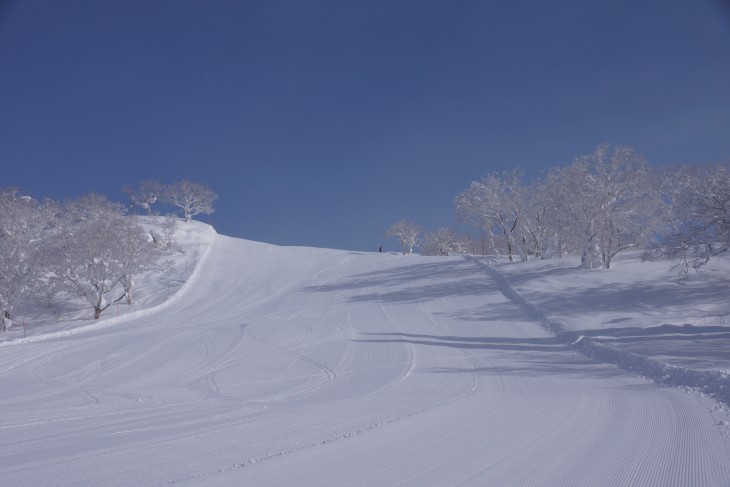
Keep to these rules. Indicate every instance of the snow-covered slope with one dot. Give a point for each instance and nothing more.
(298, 366)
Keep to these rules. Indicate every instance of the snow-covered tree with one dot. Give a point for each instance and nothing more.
(165, 240)
(137, 253)
(85, 256)
(86, 247)
(551, 200)
(443, 241)
(25, 224)
(406, 233)
(99, 251)
(577, 200)
(192, 198)
(146, 194)
(91, 206)
(696, 223)
(540, 224)
(629, 204)
(497, 201)
(88, 263)
(609, 200)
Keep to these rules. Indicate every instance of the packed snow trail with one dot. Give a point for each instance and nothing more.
(298, 366)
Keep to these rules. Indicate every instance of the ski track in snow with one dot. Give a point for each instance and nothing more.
(295, 366)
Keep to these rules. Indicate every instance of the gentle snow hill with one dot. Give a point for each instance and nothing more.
(299, 366)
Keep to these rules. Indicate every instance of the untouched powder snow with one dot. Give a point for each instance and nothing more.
(298, 366)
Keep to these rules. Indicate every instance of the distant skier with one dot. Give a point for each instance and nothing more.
(380, 249)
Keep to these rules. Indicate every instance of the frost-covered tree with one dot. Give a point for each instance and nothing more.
(609, 200)
(495, 201)
(541, 224)
(440, 242)
(137, 253)
(91, 206)
(551, 197)
(85, 258)
(144, 195)
(86, 247)
(192, 198)
(88, 265)
(15, 264)
(406, 233)
(165, 240)
(443, 241)
(631, 202)
(577, 201)
(25, 225)
(99, 251)
(696, 217)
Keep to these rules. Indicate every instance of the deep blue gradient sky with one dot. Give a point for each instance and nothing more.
(323, 122)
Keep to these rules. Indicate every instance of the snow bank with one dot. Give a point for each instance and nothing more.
(713, 383)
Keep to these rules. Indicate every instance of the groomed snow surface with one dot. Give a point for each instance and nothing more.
(299, 366)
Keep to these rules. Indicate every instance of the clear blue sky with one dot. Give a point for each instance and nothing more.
(323, 122)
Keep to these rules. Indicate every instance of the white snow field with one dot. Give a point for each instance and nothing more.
(298, 366)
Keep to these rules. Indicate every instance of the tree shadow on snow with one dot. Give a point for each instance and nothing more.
(414, 283)
(518, 277)
(545, 356)
(686, 345)
(638, 296)
(545, 344)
